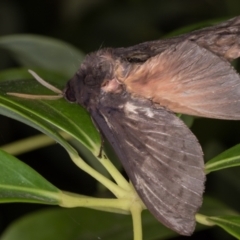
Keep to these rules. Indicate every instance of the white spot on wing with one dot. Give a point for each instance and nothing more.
(148, 112)
(131, 108)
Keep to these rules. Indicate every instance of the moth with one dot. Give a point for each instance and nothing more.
(132, 95)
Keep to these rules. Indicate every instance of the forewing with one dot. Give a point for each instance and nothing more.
(222, 39)
(187, 78)
(161, 156)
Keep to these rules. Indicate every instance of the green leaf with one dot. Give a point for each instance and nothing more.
(214, 207)
(84, 224)
(48, 116)
(230, 224)
(24, 115)
(220, 216)
(88, 224)
(227, 159)
(43, 52)
(20, 183)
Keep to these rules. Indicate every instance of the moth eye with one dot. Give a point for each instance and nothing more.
(70, 95)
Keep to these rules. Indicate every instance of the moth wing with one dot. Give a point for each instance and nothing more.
(190, 79)
(222, 39)
(162, 158)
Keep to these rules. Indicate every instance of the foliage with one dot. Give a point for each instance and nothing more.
(71, 127)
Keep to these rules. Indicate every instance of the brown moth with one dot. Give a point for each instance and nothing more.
(132, 94)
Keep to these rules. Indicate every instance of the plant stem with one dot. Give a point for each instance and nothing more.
(116, 175)
(136, 210)
(203, 220)
(74, 200)
(31, 143)
(114, 188)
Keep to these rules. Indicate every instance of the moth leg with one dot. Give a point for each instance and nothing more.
(102, 140)
(101, 146)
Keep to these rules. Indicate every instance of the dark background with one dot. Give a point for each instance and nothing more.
(93, 24)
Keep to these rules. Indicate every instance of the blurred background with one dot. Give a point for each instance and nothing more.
(93, 24)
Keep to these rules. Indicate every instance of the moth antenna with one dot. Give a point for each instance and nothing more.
(31, 96)
(40, 97)
(44, 83)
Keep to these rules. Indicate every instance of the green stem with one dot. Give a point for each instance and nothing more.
(70, 200)
(136, 210)
(116, 175)
(114, 188)
(31, 143)
(203, 220)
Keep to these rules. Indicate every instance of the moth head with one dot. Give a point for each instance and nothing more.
(95, 75)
